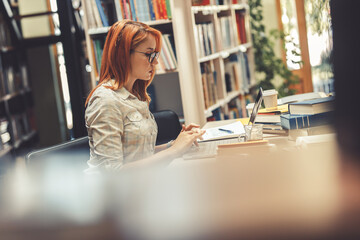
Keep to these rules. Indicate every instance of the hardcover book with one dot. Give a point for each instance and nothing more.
(290, 121)
(319, 105)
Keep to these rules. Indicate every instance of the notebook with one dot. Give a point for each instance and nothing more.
(233, 129)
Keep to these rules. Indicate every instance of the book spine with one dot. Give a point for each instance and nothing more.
(306, 121)
(168, 9)
(103, 17)
(118, 9)
(151, 11)
(133, 10)
(164, 9)
(171, 49)
(96, 13)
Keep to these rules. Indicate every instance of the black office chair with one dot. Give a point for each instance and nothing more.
(169, 126)
(75, 153)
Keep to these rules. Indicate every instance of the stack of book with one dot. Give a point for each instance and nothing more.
(270, 118)
(309, 117)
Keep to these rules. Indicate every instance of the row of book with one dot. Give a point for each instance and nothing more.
(167, 60)
(13, 75)
(237, 77)
(209, 83)
(22, 125)
(236, 108)
(19, 128)
(205, 39)
(309, 117)
(103, 13)
(216, 2)
(5, 39)
(237, 72)
(227, 34)
(205, 36)
(241, 27)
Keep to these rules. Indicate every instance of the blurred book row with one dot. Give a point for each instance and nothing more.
(103, 13)
(13, 75)
(216, 2)
(237, 79)
(17, 122)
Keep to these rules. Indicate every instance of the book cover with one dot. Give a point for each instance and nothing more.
(96, 14)
(168, 9)
(164, 9)
(279, 109)
(89, 14)
(268, 118)
(156, 9)
(160, 9)
(319, 105)
(118, 9)
(290, 121)
(301, 97)
(103, 16)
(151, 11)
(133, 10)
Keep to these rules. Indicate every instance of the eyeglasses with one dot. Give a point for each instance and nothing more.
(151, 56)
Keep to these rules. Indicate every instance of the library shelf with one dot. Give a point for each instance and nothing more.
(96, 31)
(15, 94)
(216, 58)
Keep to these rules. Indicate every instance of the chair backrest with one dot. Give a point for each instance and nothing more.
(169, 126)
(73, 153)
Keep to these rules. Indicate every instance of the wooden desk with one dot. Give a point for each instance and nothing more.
(294, 189)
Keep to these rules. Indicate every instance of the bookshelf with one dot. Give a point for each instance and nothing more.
(99, 15)
(17, 125)
(216, 64)
(213, 69)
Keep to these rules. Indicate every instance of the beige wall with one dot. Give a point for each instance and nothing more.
(271, 22)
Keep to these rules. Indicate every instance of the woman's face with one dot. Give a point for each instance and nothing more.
(141, 68)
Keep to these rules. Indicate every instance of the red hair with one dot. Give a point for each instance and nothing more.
(123, 37)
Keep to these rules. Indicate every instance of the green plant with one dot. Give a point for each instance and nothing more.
(267, 64)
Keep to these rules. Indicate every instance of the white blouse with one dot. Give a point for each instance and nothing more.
(120, 128)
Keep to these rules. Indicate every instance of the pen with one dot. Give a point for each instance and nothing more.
(225, 130)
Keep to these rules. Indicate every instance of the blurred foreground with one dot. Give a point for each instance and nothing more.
(287, 192)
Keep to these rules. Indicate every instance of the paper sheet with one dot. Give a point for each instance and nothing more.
(237, 128)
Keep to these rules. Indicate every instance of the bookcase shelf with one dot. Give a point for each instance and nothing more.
(216, 58)
(226, 55)
(96, 31)
(16, 107)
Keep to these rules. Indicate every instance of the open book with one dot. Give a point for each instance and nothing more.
(230, 130)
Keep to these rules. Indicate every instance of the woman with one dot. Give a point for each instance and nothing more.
(121, 129)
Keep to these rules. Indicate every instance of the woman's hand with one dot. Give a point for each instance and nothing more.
(186, 138)
(189, 127)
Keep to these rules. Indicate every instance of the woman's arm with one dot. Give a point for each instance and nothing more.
(189, 127)
(181, 144)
